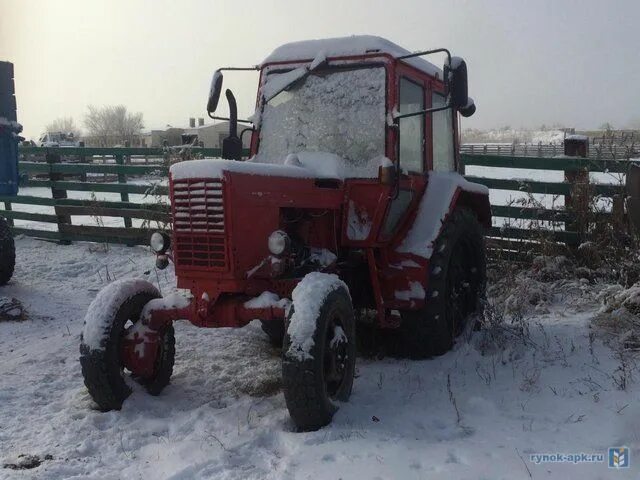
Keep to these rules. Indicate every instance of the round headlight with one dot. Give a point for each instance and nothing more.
(159, 242)
(278, 242)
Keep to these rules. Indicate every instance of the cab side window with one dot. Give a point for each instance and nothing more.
(443, 153)
(412, 128)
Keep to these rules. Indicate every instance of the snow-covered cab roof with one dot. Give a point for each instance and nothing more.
(308, 50)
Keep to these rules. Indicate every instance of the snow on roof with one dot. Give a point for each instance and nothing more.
(347, 46)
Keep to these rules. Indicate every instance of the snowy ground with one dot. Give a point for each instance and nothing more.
(224, 415)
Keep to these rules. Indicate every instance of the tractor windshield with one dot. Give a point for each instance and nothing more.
(339, 112)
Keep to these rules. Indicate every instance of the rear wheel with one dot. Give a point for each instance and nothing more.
(7, 252)
(319, 354)
(112, 315)
(457, 280)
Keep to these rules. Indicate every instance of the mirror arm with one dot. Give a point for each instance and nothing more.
(420, 112)
(428, 52)
(226, 119)
(431, 52)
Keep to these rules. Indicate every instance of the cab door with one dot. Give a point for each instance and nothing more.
(411, 148)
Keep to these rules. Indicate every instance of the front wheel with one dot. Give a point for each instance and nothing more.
(107, 358)
(319, 350)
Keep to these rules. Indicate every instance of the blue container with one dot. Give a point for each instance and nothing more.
(9, 130)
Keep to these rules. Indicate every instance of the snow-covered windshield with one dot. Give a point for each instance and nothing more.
(339, 112)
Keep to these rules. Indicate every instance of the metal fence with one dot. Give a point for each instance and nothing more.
(598, 151)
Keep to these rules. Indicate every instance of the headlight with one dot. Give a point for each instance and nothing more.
(278, 242)
(160, 242)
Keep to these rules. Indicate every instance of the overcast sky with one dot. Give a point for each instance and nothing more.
(534, 62)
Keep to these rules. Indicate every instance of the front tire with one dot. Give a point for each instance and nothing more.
(117, 308)
(7, 252)
(457, 281)
(319, 351)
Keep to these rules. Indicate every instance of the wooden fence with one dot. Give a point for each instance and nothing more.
(45, 168)
(558, 224)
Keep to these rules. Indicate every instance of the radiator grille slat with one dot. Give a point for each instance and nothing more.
(199, 224)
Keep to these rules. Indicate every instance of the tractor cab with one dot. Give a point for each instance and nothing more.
(346, 135)
(350, 202)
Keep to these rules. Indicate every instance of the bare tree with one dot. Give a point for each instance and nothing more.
(110, 125)
(606, 126)
(64, 125)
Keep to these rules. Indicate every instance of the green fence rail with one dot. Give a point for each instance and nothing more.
(55, 169)
(562, 221)
(64, 170)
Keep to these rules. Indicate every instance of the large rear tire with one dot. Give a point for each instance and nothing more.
(7, 252)
(117, 308)
(319, 354)
(457, 281)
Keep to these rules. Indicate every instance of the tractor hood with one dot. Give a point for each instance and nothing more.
(297, 165)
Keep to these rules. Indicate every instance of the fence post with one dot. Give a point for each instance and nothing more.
(124, 196)
(56, 194)
(7, 207)
(83, 175)
(578, 200)
(127, 158)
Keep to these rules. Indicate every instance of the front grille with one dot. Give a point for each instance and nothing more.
(199, 224)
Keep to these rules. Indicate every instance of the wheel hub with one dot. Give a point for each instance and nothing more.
(139, 352)
(336, 356)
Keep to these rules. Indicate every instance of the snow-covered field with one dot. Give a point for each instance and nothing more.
(478, 412)
(517, 135)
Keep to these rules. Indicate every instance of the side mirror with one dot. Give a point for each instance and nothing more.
(387, 174)
(469, 109)
(458, 85)
(214, 91)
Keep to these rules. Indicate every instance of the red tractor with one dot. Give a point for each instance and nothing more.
(350, 209)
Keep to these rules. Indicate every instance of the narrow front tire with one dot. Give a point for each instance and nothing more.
(319, 351)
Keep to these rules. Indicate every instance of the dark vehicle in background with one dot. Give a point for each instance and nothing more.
(9, 140)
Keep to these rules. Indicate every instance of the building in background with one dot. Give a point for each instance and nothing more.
(212, 135)
(209, 136)
(157, 137)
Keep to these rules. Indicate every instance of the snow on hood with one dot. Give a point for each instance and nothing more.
(214, 168)
(346, 46)
(298, 165)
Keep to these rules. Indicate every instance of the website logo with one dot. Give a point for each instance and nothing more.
(619, 457)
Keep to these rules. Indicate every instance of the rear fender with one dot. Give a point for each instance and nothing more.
(445, 192)
(404, 277)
